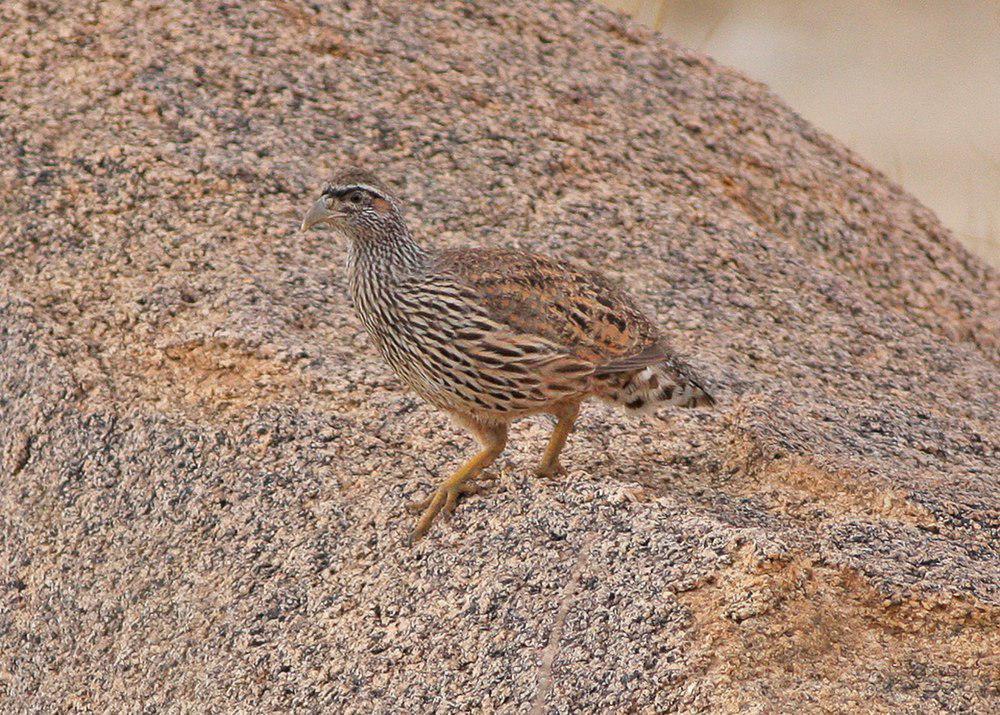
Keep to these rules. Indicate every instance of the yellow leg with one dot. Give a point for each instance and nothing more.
(493, 439)
(550, 466)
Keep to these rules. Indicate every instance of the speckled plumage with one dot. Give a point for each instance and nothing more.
(493, 334)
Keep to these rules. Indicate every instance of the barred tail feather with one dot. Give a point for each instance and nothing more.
(655, 386)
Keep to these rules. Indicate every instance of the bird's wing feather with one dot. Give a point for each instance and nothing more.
(579, 311)
(652, 355)
(658, 355)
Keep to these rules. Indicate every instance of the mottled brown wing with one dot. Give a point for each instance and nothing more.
(577, 310)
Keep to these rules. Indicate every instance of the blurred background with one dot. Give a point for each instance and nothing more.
(912, 85)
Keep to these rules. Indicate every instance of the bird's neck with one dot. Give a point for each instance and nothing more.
(384, 257)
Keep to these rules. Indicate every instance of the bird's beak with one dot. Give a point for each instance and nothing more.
(317, 213)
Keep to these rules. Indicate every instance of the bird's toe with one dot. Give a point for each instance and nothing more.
(445, 499)
(550, 470)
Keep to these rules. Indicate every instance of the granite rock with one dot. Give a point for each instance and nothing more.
(204, 466)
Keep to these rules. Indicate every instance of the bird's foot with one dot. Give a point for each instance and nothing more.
(550, 470)
(445, 499)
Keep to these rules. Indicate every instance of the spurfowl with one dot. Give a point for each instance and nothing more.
(490, 334)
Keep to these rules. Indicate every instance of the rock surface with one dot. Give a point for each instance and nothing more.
(203, 467)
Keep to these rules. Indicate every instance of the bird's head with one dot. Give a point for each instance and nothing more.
(358, 204)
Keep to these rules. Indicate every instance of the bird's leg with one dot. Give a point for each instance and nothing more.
(493, 439)
(550, 466)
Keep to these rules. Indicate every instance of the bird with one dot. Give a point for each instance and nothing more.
(490, 334)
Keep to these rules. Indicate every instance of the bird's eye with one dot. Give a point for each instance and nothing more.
(355, 197)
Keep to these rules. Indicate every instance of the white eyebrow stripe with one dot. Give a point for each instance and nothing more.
(366, 187)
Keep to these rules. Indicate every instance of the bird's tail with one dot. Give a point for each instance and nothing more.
(651, 387)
